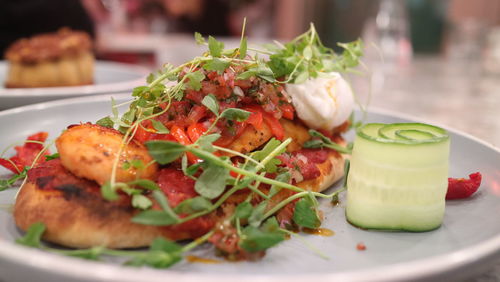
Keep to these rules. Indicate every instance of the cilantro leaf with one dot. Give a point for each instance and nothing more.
(33, 235)
(165, 152)
(211, 103)
(217, 65)
(212, 181)
(200, 40)
(215, 47)
(194, 79)
(282, 177)
(305, 213)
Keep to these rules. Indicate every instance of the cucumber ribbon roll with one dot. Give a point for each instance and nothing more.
(398, 177)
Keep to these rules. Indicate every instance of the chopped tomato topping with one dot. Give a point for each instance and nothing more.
(361, 247)
(181, 137)
(288, 111)
(26, 154)
(275, 125)
(195, 130)
(255, 117)
(460, 188)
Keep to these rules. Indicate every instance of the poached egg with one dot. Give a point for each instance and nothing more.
(322, 102)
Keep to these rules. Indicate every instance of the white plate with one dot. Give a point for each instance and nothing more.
(109, 77)
(468, 241)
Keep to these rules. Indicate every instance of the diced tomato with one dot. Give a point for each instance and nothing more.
(228, 135)
(181, 137)
(275, 125)
(269, 119)
(196, 114)
(195, 130)
(460, 188)
(195, 96)
(288, 111)
(26, 154)
(255, 117)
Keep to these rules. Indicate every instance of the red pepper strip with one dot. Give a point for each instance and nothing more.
(270, 120)
(255, 117)
(460, 188)
(181, 137)
(275, 125)
(195, 130)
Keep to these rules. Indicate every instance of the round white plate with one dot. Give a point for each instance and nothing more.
(467, 242)
(109, 77)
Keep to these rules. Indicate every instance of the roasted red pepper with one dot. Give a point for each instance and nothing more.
(27, 153)
(460, 188)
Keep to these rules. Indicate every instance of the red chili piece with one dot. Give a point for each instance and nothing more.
(360, 247)
(460, 188)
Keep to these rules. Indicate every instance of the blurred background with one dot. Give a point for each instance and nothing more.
(436, 59)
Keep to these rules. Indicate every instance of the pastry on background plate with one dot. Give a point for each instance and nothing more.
(56, 59)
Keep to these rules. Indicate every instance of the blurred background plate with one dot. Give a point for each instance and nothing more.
(109, 77)
(467, 243)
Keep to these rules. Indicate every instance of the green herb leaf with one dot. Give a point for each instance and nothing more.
(257, 214)
(217, 65)
(235, 114)
(194, 79)
(325, 142)
(93, 253)
(193, 205)
(160, 128)
(105, 122)
(254, 239)
(108, 192)
(211, 103)
(51, 157)
(154, 217)
(305, 213)
(215, 47)
(189, 170)
(243, 210)
(200, 40)
(165, 152)
(206, 141)
(307, 53)
(141, 202)
(156, 259)
(33, 235)
(6, 183)
(347, 166)
(270, 146)
(243, 48)
(282, 177)
(247, 74)
(212, 181)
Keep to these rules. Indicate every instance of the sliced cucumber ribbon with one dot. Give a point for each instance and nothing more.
(398, 177)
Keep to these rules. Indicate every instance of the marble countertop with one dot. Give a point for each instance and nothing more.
(456, 94)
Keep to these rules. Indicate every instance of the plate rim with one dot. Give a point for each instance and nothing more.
(81, 89)
(418, 269)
